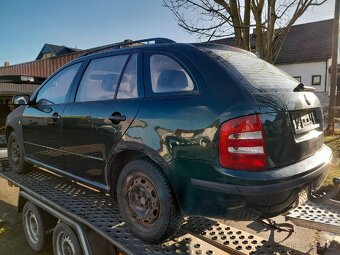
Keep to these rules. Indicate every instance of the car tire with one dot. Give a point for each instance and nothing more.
(36, 223)
(15, 153)
(147, 202)
(65, 241)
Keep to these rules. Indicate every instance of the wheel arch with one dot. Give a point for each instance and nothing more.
(116, 165)
(126, 152)
(14, 123)
(9, 130)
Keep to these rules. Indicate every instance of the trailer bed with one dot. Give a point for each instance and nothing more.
(100, 213)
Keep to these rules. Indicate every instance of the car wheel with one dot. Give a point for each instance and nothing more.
(36, 226)
(65, 241)
(16, 155)
(147, 202)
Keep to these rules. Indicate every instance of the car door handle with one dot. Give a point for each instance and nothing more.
(56, 117)
(115, 119)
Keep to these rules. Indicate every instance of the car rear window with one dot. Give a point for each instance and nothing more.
(257, 72)
(168, 76)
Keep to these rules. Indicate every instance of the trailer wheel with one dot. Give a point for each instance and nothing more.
(16, 155)
(147, 202)
(35, 226)
(65, 241)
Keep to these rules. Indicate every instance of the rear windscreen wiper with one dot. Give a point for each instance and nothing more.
(302, 87)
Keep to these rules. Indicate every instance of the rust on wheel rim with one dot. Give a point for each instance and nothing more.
(143, 200)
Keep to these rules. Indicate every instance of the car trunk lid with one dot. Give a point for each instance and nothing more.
(291, 116)
(293, 126)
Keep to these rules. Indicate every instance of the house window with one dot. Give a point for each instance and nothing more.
(316, 80)
(298, 78)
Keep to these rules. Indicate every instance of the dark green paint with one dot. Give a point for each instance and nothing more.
(178, 131)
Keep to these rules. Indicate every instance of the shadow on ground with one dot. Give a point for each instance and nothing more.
(12, 237)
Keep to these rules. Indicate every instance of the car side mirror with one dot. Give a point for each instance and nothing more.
(21, 100)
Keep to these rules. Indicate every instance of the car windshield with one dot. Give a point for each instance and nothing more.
(259, 73)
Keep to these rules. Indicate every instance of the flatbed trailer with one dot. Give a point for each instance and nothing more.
(88, 211)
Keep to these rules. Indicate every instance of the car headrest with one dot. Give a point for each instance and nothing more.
(172, 80)
(108, 81)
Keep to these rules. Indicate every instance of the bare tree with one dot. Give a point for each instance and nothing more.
(271, 20)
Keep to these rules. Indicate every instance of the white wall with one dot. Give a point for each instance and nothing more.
(306, 70)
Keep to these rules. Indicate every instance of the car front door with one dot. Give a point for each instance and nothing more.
(41, 121)
(95, 121)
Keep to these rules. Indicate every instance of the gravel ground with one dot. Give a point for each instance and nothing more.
(12, 237)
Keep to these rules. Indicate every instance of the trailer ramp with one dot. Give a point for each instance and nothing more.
(321, 216)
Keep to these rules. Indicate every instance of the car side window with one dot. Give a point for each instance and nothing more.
(100, 79)
(128, 85)
(55, 90)
(167, 75)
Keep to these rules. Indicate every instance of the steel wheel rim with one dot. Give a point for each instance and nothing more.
(15, 152)
(32, 226)
(143, 200)
(64, 244)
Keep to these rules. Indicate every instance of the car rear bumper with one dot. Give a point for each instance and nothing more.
(207, 189)
(287, 178)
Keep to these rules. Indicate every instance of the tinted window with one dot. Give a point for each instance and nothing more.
(55, 90)
(128, 85)
(259, 73)
(168, 76)
(100, 79)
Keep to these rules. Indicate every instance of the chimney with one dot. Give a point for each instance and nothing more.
(6, 64)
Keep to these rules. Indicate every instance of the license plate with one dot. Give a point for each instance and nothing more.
(304, 121)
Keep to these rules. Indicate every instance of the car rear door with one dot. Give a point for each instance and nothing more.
(41, 122)
(95, 121)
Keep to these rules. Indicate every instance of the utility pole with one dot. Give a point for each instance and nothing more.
(334, 69)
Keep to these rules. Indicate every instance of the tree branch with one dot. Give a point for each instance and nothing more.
(217, 18)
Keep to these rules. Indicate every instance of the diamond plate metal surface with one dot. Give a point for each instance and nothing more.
(237, 241)
(325, 217)
(99, 212)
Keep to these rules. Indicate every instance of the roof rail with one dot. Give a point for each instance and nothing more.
(156, 40)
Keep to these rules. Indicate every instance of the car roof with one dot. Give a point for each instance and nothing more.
(161, 44)
(144, 46)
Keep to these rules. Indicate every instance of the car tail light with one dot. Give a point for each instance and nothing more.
(242, 144)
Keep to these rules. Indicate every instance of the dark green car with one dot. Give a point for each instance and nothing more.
(172, 130)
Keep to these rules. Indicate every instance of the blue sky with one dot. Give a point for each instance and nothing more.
(26, 25)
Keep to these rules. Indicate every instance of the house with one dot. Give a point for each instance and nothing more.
(306, 55)
(51, 50)
(50, 58)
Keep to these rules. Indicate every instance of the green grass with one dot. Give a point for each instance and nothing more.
(334, 143)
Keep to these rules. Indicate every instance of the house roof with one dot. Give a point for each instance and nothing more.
(56, 50)
(308, 42)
